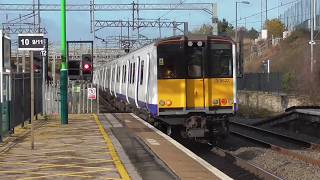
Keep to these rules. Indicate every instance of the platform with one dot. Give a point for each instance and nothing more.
(107, 146)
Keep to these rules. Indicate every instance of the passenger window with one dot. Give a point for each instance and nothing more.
(113, 74)
(134, 72)
(130, 70)
(125, 74)
(118, 74)
(141, 72)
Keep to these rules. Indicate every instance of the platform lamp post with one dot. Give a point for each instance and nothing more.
(236, 30)
(64, 67)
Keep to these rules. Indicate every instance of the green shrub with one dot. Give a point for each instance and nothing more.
(287, 81)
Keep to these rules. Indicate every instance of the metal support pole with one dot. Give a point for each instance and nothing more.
(78, 97)
(314, 24)
(266, 10)
(236, 29)
(87, 100)
(261, 16)
(32, 99)
(23, 61)
(311, 35)
(83, 97)
(64, 67)
(98, 98)
(174, 28)
(72, 98)
(39, 19)
(17, 59)
(91, 101)
(215, 19)
(186, 30)
(43, 85)
(53, 69)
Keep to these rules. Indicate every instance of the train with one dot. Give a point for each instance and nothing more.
(187, 84)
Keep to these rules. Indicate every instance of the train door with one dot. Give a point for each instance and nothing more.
(127, 74)
(195, 78)
(136, 79)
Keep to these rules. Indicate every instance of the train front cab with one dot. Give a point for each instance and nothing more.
(197, 84)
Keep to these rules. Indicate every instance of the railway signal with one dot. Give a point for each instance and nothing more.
(87, 66)
(74, 69)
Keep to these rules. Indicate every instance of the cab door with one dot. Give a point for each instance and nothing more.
(195, 78)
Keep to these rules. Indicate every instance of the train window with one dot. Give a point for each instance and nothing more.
(118, 74)
(134, 72)
(171, 64)
(122, 77)
(125, 74)
(130, 70)
(194, 62)
(112, 74)
(219, 61)
(141, 72)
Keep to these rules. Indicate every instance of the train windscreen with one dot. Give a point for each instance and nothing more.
(171, 64)
(194, 62)
(219, 60)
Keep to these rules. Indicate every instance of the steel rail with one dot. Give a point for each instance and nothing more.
(256, 170)
(278, 148)
(281, 136)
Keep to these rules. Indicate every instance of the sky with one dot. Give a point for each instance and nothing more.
(78, 27)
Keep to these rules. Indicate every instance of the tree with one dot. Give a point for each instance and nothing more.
(242, 32)
(253, 34)
(224, 27)
(275, 27)
(204, 29)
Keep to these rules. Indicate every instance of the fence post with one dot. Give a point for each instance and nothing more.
(87, 98)
(72, 97)
(79, 97)
(91, 101)
(98, 105)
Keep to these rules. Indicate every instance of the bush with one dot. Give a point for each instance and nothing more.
(287, 81)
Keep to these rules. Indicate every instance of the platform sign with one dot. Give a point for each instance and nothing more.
(31, 42)
(92, 93)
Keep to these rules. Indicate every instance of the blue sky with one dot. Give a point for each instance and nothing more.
(78, 22)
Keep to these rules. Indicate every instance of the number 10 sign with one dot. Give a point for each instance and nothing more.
(31, 42)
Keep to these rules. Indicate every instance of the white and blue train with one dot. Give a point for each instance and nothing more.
(185, 81)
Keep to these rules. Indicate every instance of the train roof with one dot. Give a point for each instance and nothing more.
(193, 37)
(180, 38)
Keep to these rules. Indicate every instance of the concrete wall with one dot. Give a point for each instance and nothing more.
(272, 101)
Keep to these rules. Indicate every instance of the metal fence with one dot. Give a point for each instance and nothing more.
(298, 14)
(15, 107)
(78, 101)
(272, 82)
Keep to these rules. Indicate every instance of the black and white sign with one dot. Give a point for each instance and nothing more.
(92, 93)
(31, 42)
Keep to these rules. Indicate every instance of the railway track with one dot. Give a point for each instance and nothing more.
(252, 168)
(277, 142)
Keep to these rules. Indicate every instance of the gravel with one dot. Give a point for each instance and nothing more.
(278, 164)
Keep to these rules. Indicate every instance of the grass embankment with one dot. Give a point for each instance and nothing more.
(292, 57)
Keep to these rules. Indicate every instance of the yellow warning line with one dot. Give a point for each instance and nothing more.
(115, 157)
(47, 165)
(76, 174)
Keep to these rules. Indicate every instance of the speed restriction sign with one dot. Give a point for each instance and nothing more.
(92, 93)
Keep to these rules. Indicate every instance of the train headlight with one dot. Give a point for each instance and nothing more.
(162, 102)
(190, 43)
(223, 101)
(215, 102)
(199, 43)
(168, 102)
